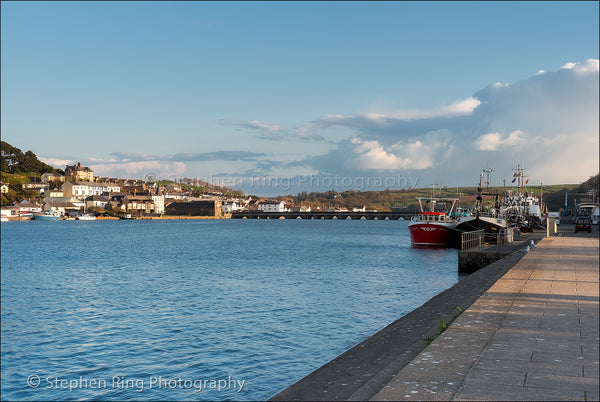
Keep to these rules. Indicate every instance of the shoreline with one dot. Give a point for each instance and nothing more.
(360, 372)
(160, 217)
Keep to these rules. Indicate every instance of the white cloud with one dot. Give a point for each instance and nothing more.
(57, 162)
(458, 108)
(495, 141)
(416, 154)
(139, 169)
(589, 66)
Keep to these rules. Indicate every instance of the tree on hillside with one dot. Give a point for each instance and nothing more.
(13, 160)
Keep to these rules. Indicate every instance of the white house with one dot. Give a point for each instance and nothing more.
(10, 212)
(26, 207)
(231, 206)
(271, 206)
(159, 204)
(83, 189)
(76, 189)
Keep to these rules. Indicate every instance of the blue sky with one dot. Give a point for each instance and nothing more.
(275, 98)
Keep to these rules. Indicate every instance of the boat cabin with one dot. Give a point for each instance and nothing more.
(426, 216)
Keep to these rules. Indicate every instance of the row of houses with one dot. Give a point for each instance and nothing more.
(80, 189)
(119, 203)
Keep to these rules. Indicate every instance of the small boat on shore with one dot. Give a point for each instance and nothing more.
(86, 217)
(47, 216)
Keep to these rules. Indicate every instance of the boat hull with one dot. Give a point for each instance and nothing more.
(424, 234)
(46, 217)
(491, 226)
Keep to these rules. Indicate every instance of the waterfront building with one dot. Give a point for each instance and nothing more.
(195, 208)
(26, 206)
(231, 206)
(76, 202)
(300, 208)
(60, 206)
(96, 201)
(4, 188)
(9, 211)
(159, 203)
(271, 206)
(142, 204)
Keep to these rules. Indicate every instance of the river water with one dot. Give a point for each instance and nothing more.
(198, 309)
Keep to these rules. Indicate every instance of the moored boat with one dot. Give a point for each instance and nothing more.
(47, 216)
(491, 225)
(492, 221)
(86, 217)
(433, 226)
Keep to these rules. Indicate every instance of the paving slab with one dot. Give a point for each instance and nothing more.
(533, 335)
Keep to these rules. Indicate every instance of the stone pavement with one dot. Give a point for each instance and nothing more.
(532, 336)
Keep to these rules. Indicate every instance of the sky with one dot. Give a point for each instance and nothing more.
(279, 97)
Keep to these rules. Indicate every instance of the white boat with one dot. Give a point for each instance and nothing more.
(4, 218)
(86, 217)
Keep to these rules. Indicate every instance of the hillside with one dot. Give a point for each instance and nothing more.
(387, 199)
(579, 193)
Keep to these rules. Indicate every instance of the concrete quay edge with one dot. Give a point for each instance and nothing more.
(362, 371)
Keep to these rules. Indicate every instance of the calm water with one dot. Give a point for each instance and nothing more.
(172, 310)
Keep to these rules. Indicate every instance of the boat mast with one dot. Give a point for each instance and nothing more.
(488, 172)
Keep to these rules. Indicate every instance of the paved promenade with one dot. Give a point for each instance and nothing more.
(532, 336)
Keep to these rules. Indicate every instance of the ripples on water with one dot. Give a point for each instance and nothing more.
(261, 301)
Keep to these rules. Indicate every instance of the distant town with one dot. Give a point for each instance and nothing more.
(30, 187)
(79, 191)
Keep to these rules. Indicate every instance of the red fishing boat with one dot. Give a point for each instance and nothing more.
(434, 225)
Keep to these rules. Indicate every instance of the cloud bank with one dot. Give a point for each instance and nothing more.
(547, 122)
